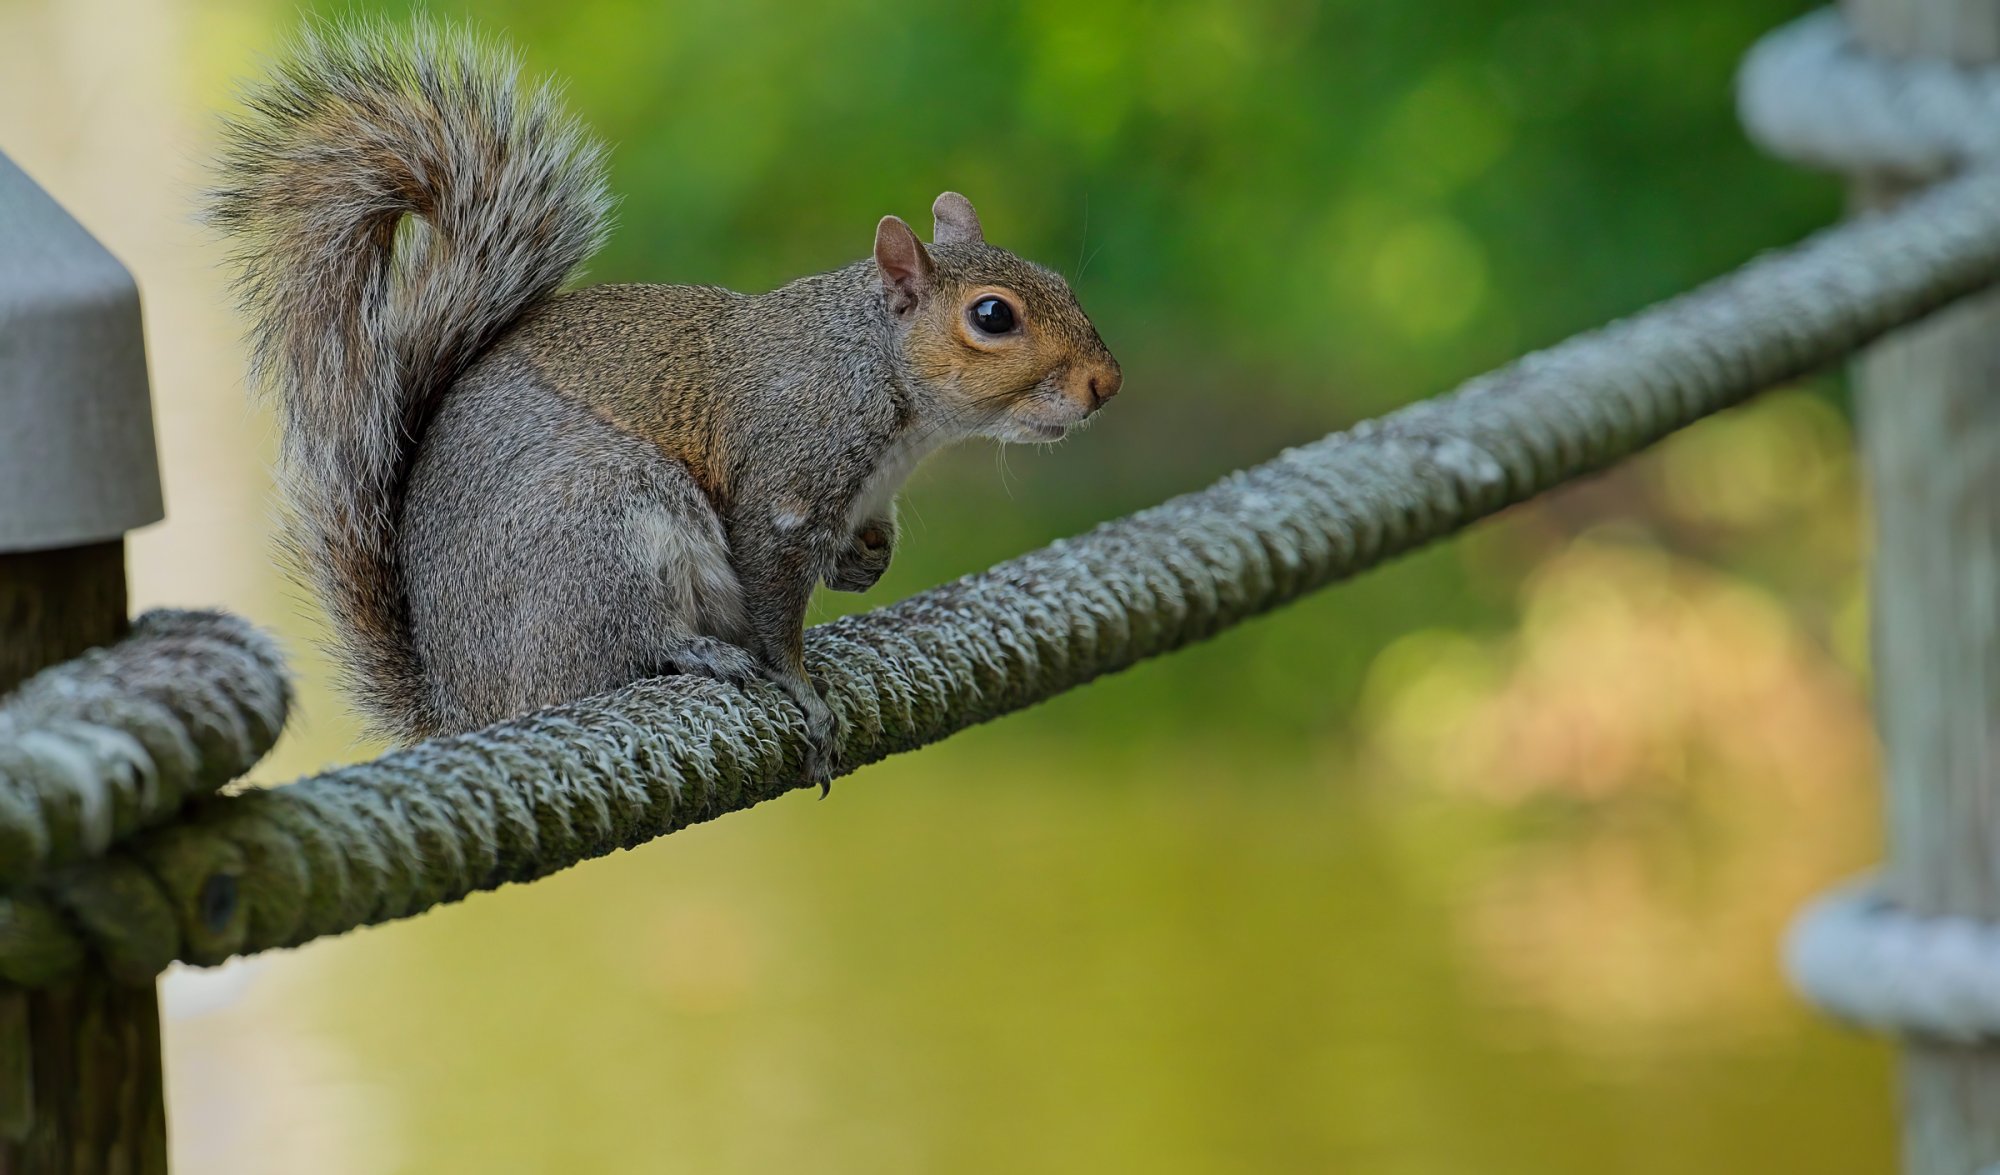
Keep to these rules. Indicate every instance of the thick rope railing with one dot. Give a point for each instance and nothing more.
(1810, 94)
(440, 820)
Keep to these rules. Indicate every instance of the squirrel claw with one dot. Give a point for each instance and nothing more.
(819, 767)
(821, 734)
(819, 762)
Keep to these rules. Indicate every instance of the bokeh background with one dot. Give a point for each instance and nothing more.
(1476, 864)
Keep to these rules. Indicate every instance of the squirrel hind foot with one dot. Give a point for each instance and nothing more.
(706, 656)
(822, 751)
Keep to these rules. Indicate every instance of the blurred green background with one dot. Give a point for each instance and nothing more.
(1476, 864)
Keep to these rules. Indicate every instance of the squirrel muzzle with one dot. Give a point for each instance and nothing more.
(1086, 384)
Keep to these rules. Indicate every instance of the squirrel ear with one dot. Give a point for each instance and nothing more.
(956, 222)
(905, 267)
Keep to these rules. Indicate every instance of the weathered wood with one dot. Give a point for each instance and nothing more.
(93, 1102)
(1929, 404)
(55, 604)
(99, 1105)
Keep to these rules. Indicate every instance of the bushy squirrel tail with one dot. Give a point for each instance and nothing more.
(396, 200)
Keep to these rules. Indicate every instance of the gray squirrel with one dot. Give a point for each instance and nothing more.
(507, 496)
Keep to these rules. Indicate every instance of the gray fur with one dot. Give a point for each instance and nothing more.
(532, 562)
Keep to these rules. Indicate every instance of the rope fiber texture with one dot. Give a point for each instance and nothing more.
(1809, 93)
(439, 820)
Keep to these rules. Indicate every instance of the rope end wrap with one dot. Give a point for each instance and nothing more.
(96, 749)
(1810, 94)
(1861, 958)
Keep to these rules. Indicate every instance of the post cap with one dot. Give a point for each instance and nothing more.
(77, 463)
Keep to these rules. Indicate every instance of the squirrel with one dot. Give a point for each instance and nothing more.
(508, 496)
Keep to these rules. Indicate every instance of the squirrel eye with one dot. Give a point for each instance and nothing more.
(993, 316)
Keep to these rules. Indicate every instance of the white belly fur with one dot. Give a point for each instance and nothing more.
(878, 493)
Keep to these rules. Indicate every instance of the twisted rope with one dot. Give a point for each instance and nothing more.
(1809, 93)
(442, 819)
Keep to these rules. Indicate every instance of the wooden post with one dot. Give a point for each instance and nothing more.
(83, 1092)
(1929, 406)
(55, 604)
(81, 1089)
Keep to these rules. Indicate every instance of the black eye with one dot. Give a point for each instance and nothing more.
(993, 316)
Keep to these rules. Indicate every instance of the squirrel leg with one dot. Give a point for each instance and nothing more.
(860, 564)
(778, 573)
(694, 590)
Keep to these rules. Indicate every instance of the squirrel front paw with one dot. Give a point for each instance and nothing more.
(865, 557)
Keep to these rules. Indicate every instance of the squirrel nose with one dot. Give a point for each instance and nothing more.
(1104, 384)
